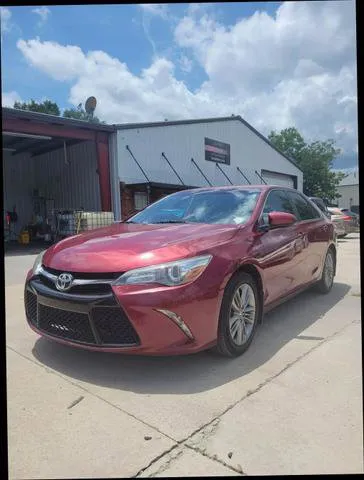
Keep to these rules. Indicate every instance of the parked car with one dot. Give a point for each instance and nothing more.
(194, 270)
(336, 220)
(321, 205)
(353, 215)
(347, 221)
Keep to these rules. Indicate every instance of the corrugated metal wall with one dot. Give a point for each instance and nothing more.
(18, 184)
(181, 142)
(348, 192)
(71, 185)
(74, 184)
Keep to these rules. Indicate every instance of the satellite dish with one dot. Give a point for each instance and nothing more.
(90, 105)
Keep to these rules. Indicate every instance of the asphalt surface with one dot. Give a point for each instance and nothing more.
(291, 405)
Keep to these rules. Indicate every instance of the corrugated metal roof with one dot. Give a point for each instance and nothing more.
(351, 179)
(54, 119)
(126, 126)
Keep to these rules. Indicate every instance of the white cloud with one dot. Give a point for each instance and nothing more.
(185, 64)
(297, 68)
(292, 69)
(150, 11)
(156, 9)
(5, 15)
(58, 61)
(9, 98)
(43, 13)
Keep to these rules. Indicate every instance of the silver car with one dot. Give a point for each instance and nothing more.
(344, 222)
(337, 220)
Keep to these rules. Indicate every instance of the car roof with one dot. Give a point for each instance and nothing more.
(262, 188)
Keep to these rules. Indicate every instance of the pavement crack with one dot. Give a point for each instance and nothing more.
(216, 458)
(158, 457)
(165, 465)
(75, 402)
(92, 394)
(213, 422)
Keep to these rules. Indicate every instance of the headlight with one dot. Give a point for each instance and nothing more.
(170, 274)
(38, 263)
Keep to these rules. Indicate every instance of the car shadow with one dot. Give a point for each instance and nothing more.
(193, 373)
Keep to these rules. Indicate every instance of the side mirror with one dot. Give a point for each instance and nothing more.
(281, 219)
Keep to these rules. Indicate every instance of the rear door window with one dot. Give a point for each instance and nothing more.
(305, 210)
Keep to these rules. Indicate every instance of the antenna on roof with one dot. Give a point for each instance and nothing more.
(90, 106)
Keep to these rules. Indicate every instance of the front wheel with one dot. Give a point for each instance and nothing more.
(241, 310)
(326, 281)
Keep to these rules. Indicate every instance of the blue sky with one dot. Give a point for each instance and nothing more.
(115, 29)
(146, 63)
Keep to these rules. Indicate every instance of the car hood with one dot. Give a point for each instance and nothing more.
(123, 246)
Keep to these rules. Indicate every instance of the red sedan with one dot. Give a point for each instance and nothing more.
(193, 271)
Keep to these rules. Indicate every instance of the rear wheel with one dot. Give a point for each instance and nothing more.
(241, 310)
(324, 285)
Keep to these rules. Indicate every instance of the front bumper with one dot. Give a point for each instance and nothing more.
(126, 318)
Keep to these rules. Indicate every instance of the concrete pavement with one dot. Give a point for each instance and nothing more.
(296, 394)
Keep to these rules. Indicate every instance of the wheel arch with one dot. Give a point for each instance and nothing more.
(252, 270)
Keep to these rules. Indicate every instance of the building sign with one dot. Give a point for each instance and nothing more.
(217, 151)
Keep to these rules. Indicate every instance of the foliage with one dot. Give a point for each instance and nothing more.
(315, 160)
(51, 108)
(80, 113)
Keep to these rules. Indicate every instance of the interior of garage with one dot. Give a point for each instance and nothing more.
(52, 168)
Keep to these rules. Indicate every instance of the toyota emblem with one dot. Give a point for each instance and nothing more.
(64, 282)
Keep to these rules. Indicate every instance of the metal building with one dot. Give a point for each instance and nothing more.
(349, 191)
(52, 163)
(151, 160)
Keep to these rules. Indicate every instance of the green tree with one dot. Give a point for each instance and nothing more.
(51, 108)
(315, 160)
(80, 113)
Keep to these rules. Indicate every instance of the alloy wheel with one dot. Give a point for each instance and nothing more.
(242, 314)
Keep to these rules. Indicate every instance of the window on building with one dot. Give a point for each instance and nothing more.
(140, 200)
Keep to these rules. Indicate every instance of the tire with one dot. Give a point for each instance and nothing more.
(324, 285)
(235, 336)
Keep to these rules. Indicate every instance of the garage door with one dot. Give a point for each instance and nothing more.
(278, 179)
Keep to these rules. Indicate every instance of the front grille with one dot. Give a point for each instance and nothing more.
(64, 324)
(86, 275)
(31, 306)
(99, 323)
(113, 326)
(96, 288)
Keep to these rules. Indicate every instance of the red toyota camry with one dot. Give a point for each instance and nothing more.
(193, 271)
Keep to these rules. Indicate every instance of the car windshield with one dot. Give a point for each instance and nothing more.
(233, 206)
